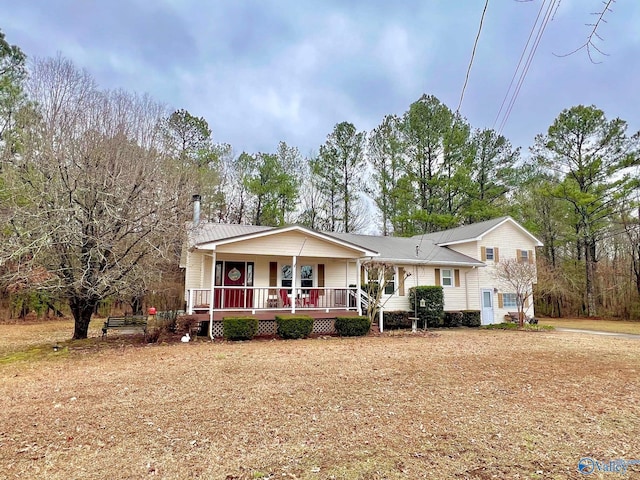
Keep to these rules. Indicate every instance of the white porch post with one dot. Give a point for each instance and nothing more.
(294, 296)
(358, 287)
(381, 319)
(212, 295)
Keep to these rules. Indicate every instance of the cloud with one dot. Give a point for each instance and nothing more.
(271, 70)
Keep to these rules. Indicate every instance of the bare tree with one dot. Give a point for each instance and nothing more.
(93, 194)
(518, 277)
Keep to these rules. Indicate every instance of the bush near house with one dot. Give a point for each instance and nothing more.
(294, 326)
(353, 326)
(471, 318)
(433, 310)
(463, 318)
(239, 328)
(397, 319)
(452, 319)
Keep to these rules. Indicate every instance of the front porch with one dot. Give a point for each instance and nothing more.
(243, 300)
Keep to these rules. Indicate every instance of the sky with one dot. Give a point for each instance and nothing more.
(265, 71)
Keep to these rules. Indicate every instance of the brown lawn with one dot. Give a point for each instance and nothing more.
(456, 404)
(618, 326)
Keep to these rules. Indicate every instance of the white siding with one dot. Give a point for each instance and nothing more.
(455, 298)
(507, 238)
(289, 244)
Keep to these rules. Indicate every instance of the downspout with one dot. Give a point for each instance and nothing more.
(213, 293)
(358, 287)
(294, 296)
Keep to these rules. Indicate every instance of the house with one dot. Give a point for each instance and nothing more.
(258, 270)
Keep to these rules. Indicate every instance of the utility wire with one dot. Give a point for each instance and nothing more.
(538, 37)
(473, 54)
(515, 73)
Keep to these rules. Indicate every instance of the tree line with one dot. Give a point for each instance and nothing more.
(95, 187)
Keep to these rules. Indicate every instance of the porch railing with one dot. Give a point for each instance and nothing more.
(271, 298)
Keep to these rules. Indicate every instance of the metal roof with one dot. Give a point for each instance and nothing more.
(420, 249)
(408, 250)
(475, 231)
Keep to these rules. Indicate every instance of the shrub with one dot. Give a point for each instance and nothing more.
(187, 324)
(453, 319)
(239, 328)
(501, 326)
(294, 326)
(433, 311)
(515, 326)
(471, 318)
(353, 326)
(396, 319)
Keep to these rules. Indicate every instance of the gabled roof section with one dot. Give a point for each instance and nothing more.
(209, 236)
(210, 232)
(473, 232)
(409, 251)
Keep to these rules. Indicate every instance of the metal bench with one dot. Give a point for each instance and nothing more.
(132, 323)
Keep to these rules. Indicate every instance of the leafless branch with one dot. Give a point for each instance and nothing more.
(589, 45)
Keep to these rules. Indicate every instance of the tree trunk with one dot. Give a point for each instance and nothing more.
(82, 311)
(136, 305)
(590, 274)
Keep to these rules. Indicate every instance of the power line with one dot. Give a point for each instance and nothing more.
(515, 73)
(538, 37)
(473, 54)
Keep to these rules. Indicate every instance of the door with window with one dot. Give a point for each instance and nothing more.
(236, 275)
(487, 306)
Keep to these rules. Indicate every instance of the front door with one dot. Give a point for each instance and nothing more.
(234, 276)
(487, 306)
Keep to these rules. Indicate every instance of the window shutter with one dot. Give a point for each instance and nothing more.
(437, 277)
(401, 281)
(456, 275)
(500, 301)
(321, 278)
(518, 256)
(526, 301)
(273, 274)
(531, 257)
(362, 279)
(483, 253)
(496, 256)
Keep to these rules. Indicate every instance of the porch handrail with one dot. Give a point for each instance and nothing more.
(271, 298)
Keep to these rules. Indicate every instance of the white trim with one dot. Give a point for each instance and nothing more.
(452, 277)
(212, 294)
(489, 230)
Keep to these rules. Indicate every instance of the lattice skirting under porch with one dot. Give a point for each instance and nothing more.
(269, 327)
(324, 325)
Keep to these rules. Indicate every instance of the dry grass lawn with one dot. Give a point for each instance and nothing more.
(456, 404)
(618, 326)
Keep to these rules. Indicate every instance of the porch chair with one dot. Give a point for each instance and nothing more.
(312, 301)
(284, 296)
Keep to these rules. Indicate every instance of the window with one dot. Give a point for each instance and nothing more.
(390, 281)
(509, 300)
(489, 253)
(287, 276)
(524, 256)
(447, 277)
(373, 280)
(306, 277)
